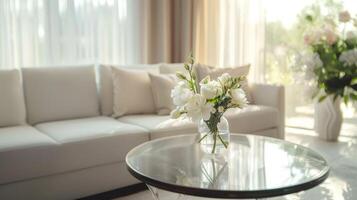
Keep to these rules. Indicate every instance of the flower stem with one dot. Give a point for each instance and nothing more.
(223, 142)
(203, 137)
(214, 142)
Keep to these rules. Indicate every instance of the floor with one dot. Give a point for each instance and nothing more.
(342, 157)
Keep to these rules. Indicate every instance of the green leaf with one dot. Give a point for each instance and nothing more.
(353, 96)
(308, 18)
(322, 98)
(354, 87)
(335, 97)
(194, 76)
(345, 99)
(191, 59)
(205, 80)
(180, 76)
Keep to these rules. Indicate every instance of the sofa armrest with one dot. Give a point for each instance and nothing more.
(274, 96)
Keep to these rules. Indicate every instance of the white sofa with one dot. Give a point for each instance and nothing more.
(59, 141)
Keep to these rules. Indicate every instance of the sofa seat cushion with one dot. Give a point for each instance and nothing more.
(252, 118)
(78, 144)
(92, 141)
(23, 152)
(161, 125)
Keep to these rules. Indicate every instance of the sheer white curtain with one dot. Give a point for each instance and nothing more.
(56, 32)
(231, 33)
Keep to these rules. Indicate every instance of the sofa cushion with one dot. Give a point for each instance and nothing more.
(252, 118)
(72, 145)
(161, 125)
(161, 86)
(171, 68)
(12, 105)
(95, 140)
(106, 83)
(131, 92)
(24, 153)
(58, 93)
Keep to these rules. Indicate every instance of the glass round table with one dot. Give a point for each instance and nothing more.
(253, 167)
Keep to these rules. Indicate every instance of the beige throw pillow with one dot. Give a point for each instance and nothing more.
(161, 85)
(131, 92)
(214, 73)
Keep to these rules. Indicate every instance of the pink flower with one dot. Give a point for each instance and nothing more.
(313, 37)
(344, 16)
(308, 39)
(330, 36)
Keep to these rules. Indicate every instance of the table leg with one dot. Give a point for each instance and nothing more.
(157, 194)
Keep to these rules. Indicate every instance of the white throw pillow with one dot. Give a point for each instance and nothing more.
(131, 92)
(214, 73)
(12, 105)
(161, 85)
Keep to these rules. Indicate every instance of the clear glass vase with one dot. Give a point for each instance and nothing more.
(214, 135)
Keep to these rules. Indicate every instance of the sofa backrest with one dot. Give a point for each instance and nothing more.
(171, 68)
(59, 93)
(12, 105)
(106, 83)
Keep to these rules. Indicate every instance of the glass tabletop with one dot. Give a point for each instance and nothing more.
(252, 167)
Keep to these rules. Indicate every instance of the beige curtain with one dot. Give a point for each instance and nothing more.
(219, 32)
(230, 33)
(167, 32)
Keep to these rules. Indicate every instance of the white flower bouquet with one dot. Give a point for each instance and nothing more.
(207, 103)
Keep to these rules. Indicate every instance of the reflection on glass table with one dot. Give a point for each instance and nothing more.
(252, 167)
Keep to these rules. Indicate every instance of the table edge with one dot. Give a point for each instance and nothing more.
(229, 194)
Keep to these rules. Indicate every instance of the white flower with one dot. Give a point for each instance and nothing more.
(197, 108)
(312, 61)
(349, 57)
(221, 109)
(224, 78)
(175, 113)
(238, 97)
(181, 93)
(329, 19)
(210, 89)
(344, 16)
(351, 35)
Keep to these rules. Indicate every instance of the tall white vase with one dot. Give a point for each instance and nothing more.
(328, 119)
